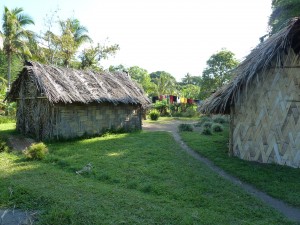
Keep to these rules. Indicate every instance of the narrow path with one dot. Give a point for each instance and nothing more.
(290, 212)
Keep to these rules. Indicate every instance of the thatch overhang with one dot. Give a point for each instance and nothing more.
(66, 85)
(270, 53)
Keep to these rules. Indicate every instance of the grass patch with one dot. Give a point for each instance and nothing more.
(7, 119)
(162, 120)
(281, 182)
(137, 178)
(7, 129)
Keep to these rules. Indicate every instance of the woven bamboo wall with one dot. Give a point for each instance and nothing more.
(34, 115)
(78, 120)
(266, 126)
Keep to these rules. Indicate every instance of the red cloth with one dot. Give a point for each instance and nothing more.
(171, 99)
(190, 101)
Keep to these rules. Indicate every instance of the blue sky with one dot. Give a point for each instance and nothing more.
(177, 36)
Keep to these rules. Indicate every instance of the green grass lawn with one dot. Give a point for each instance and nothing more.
(281, 182)
(137, 178)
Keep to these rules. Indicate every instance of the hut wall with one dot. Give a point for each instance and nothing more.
(266, 125)
(75, 120)
(34, 112)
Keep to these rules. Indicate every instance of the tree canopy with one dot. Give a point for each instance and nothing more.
(15, 35)
(218, 71)
(282, 11)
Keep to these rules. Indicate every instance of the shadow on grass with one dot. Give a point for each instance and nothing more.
(138, 178)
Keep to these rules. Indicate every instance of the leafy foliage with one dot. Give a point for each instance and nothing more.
(154, 114)
(143, 78)
(219, 119)
(218, 71)
(217, 127)
(206, 131)
(165, 82)
(282, 11)
(207, 124)
(15, 36)
(185, 127)
(36, 151)
(3, 146)
(91, 56)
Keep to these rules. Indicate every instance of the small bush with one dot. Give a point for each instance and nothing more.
(154, 115)
(207, 124)
(36, 151)
(3, 146)
(219, 119)
(206, 131)
(199, 124)
(216, 127)
(185, 127)
(190, 112)
(204, 119)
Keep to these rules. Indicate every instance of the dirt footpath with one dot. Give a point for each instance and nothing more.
(290, 212)
(170, 126)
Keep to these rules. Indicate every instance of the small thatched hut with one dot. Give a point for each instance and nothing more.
(263, 101)
(55, 102)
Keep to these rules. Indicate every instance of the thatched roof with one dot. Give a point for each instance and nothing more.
(65, 85)
(270, 52)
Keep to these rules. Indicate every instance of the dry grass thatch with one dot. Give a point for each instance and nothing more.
(65, 85)
(270, 53)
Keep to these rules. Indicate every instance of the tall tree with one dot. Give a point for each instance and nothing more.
(60, 49)
(90, 57)
(190, 91)
(187, 79)
(282, 11)
(118, 68)
(72, 37)
(218, 71)
(165, 82)
(143, 78)
(15, 35)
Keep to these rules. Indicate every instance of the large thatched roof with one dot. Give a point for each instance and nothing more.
(65, 85)
(270, 52)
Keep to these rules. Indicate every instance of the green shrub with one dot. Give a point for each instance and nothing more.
(206, 131)
(219, 119)
(3, 146)
(162, 107)
(154, 114)
(36, 151)
(216, 127)
(190, 112)
(207, 124)
(185, 127)
(199, 124)
(204, 119)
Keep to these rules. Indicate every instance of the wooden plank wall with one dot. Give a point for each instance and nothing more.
(266, 125)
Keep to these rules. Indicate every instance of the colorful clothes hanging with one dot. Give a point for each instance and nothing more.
(171, 99)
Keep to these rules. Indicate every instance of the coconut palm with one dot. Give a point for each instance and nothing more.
(72, 37)
(14, 22)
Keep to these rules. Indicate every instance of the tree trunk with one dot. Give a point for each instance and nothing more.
(9, 71)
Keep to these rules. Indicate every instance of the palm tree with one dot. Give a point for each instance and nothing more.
(73, 36)
(15, 35)
(187, 79)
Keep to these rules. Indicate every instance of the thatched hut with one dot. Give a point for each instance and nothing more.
(263, 101)
(54, 102)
